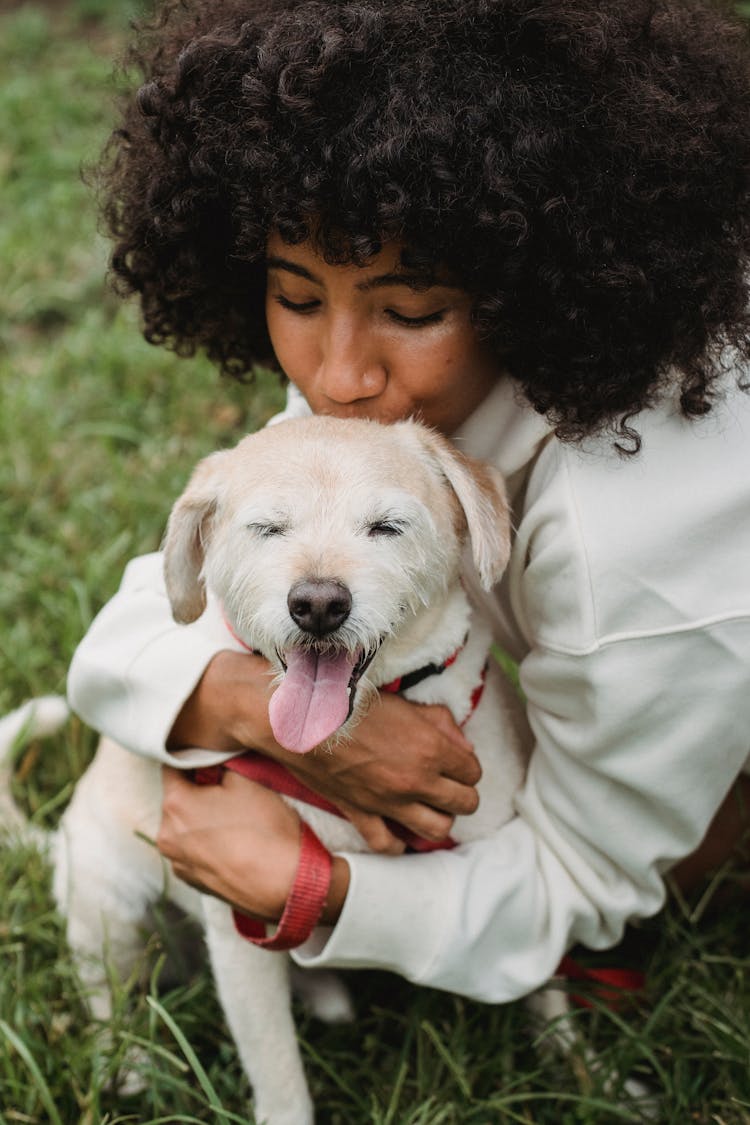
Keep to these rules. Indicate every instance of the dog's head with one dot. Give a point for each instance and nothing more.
(322, 538)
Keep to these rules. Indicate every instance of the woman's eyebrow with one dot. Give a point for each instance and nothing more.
(275, 263)
(414, 281)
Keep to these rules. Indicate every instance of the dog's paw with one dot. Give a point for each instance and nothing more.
(323, 994)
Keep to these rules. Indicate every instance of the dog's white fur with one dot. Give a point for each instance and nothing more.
(302, 500)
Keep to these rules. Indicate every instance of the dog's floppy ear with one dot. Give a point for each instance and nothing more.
(480, 489)
(188, 531)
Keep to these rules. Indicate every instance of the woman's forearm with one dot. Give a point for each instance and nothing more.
(134, 668)
(228, 709)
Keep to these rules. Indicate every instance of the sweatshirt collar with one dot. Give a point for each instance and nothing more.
(504, 430)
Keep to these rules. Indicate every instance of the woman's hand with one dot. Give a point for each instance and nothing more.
(237, 841)
(405, 762)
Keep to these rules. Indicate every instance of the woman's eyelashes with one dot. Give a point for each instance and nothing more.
(301, 307)
(415, 321)
(305, 308)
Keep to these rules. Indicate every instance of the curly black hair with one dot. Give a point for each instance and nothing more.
(581, 167)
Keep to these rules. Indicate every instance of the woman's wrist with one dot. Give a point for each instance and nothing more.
(228, 709)
(316, 886)
(337, 892)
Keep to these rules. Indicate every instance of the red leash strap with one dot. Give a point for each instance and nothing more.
(305, 903)
(614, 987)
(311, 884)
(273, 775)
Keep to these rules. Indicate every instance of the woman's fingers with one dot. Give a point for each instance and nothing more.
(374, 830)
(236, 840)
(426, 823)
(453, 752)
(418, 819)
(454, 799)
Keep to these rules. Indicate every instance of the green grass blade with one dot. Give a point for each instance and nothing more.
(453, 1066)
(28, 1058)
(195, 1065)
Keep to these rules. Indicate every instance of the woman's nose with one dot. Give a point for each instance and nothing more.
(352, 365)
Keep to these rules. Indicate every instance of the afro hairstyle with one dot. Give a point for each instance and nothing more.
(580, 167)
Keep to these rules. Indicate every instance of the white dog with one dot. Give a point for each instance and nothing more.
(333, 548)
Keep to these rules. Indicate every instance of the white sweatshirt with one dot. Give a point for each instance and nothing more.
(627, 606)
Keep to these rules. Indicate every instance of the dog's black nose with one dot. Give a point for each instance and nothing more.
(319, 605)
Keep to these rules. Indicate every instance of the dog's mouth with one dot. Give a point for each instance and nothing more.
(316, 696)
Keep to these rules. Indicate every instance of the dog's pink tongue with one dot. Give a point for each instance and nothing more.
(312, 701)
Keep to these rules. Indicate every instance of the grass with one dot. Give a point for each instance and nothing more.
(97, 433)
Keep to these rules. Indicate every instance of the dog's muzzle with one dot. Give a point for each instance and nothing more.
(322, 672)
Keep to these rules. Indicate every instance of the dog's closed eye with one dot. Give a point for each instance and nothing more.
(267, 530)
(386, 528)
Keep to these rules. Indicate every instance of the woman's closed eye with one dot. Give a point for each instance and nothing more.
(415, 321)
(301, 307)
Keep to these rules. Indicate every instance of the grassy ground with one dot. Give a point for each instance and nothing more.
(97, 433)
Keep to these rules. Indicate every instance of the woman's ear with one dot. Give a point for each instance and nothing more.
(480, 490)
(188, 532)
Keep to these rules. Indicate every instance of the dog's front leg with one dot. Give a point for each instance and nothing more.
(253, 987)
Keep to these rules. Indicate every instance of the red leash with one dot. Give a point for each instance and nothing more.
(305, 903)
(313, 876)
(614, 987)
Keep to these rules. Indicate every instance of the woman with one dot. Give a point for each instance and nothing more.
(526, 223)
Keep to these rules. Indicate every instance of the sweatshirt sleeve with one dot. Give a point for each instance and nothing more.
(134, 669)
(637, 744)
